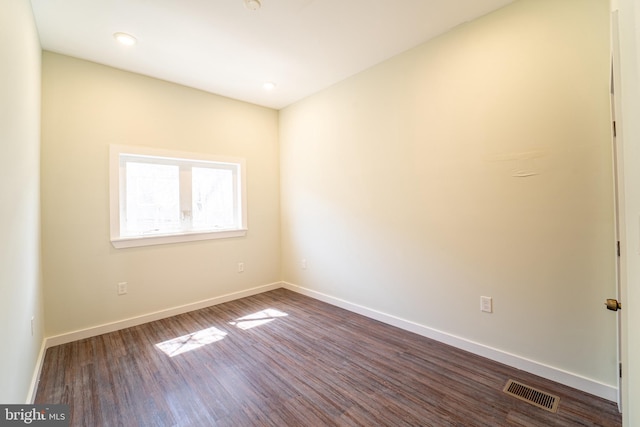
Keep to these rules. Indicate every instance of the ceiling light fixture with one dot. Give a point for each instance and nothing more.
(269, 86)
(252, 4)
(125, 39)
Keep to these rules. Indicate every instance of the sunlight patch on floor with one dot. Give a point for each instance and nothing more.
(259, 318)
(176, 346)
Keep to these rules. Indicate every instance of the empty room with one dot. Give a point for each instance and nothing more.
(305, 212)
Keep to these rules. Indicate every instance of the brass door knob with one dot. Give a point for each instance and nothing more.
(613, 305)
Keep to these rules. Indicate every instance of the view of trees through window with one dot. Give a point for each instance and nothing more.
(164, 196)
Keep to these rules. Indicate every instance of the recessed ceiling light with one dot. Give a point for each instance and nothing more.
(269, 86)
(252, 4)
(125, 39)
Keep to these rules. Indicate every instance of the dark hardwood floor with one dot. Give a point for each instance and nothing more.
(283, 359)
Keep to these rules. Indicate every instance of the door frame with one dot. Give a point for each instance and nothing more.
(618, 196)
(625, 26)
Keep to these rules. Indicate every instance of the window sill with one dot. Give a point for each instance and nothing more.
(132, 242)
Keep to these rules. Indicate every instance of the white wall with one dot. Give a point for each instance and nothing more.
(629, 94)
(20, 285)
(86, 107)
(398, 186)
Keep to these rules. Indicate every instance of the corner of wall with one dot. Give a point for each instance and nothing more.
(21, 305)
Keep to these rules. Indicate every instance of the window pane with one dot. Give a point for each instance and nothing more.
(162, 196)
(213, 199)
(152, 199)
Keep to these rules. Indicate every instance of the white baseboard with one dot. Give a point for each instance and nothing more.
(33, 387)
(545, 371)
(150, 317)
(558, 375)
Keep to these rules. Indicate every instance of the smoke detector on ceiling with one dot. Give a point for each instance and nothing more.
(252, 4)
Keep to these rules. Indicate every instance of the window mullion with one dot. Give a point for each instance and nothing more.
(186, 194)
(237, 201)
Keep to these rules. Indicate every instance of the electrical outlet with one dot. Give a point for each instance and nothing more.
(486, 304)
(303, 263)
(122, 288)
(240, 267)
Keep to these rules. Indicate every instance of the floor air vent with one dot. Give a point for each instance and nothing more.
(531, 395)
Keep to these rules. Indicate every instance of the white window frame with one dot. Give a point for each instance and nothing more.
(116, 173)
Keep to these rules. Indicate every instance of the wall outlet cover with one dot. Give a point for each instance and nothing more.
(486, 304)
(122, 288)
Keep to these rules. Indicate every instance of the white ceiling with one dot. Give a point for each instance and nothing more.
(222, 47)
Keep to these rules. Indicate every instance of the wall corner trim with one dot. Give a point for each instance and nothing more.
(549, 372)
(35, 379)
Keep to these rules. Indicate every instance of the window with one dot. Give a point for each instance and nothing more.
(160, 196)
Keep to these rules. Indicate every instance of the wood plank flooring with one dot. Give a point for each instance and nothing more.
(284, 359)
